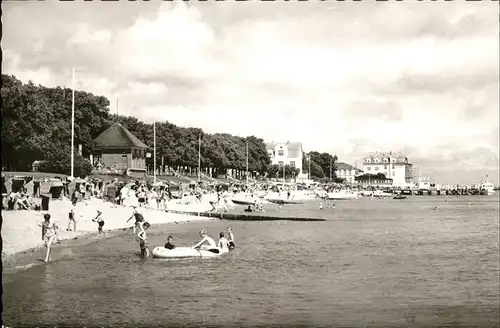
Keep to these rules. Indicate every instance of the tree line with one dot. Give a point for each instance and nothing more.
(37, 127)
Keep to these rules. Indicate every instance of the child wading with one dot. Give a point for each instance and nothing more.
(143, 239)
(100, 222)
(49, 234)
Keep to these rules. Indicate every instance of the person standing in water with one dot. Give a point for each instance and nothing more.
(223, 243)
(139, 219)
(49, 233)
(231, 238)
(143, 243)
(205, 239)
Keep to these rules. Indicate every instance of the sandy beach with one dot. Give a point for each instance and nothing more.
(21, 232)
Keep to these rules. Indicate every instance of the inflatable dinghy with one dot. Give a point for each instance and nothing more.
(185, 252)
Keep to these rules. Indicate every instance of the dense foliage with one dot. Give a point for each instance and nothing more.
(369, 176)
(276, 171)
(321, 164)
(37, 126)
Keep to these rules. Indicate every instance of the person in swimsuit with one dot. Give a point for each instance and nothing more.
(223, 243)
(72, 216)
(205, 239)
(231, 238)
(100, 222)
(143, 243)
(169, 244)
(49, 233)
(139, 219)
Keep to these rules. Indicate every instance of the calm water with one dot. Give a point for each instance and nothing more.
(373, 263)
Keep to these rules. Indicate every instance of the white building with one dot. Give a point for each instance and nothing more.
(347, 172)
(286, 153)
(395, 166)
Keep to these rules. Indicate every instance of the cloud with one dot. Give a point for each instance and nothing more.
(347, 78)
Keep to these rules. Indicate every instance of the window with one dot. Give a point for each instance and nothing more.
(385, 160)
(369, 168)
(377, 160)
(281, 152)
(280, 163)
(376, 168)
(367, 160)
(393, 166)
(393, 173)
(292, 163)
(385, 167)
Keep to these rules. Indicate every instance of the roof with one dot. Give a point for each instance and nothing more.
(345, 166)
(117, 136)
(398, 156)
(290, 145)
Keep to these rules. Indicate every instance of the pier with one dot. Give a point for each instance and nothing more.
(258, 216)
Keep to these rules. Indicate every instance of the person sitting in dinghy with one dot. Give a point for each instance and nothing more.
(169, 244)
(205, 239)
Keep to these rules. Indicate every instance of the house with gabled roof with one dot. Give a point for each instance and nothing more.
(286, 153)
(117, 149)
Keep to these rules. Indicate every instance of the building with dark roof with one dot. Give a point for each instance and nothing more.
(347, 172)
(286, 153)
(117, 149)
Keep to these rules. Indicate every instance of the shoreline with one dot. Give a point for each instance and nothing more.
(21, 235)
(28, 258)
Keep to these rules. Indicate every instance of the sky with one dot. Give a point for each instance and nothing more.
(348, 78)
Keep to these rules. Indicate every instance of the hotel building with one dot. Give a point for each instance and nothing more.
(395, 166)
(286, 153)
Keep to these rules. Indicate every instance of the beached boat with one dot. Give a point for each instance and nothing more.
(185, 252)
(342, 195)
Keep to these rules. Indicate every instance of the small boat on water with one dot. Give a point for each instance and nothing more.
(399, 197)
(487, 188)
(185, 252)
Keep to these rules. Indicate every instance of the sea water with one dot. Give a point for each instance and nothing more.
(374, 262)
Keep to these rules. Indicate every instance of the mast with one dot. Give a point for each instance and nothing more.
(73, 125)
(283, 174)
(154, 151)
(247, 162)
(309, 171)
(331, 169)
(199, 157)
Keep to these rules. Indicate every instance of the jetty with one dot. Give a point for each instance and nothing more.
(251, 216)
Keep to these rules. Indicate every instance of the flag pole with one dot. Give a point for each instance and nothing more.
(199, 157)
(154, 151)
(247, 162)
(73, 125)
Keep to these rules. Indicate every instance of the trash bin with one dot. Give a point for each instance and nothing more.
(45, 202)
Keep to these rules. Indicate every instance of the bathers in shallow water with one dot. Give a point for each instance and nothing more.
(231, 244)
